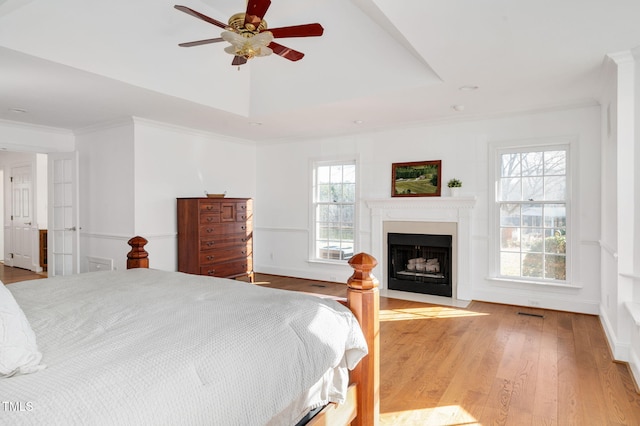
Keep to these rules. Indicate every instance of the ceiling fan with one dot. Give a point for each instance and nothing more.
(248, 35)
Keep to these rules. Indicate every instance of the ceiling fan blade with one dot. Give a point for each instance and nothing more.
(239, 60)
(306, 30)
(199, 15)
(201, 42)
(256, 10)
(285, 52)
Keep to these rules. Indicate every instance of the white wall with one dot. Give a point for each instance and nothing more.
(633, 306)
(173, 162)
(611, 302)
(106, 191)
(282, 227)
(131, 173)
(620, 308)
(25, 141)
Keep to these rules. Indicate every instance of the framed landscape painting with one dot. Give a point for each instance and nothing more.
(416, 179)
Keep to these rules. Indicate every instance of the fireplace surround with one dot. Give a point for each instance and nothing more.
(429, 215)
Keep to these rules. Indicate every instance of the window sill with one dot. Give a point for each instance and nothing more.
(329, 262)
(532, 282)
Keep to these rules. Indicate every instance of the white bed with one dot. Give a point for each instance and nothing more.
(149, 347)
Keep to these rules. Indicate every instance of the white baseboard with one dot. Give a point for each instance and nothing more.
(634, 366)
(300, 273)
(619, 350)
(557, 303)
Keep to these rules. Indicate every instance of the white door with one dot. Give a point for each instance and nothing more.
(63, 235)
(21, 217)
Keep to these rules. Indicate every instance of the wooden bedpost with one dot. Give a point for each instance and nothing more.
(364, 301)
(138, 256)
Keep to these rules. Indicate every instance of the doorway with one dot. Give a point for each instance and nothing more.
(22, 217)
(23, 208)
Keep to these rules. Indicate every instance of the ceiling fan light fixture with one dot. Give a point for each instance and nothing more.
(248, 45)
(248, 35)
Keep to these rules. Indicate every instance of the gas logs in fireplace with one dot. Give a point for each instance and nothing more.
(420, 263)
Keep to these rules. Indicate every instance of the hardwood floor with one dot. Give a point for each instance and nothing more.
(10, 275)
(490, 364)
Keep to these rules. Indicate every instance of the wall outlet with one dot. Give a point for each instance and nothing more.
(534, 303)
(332, 278)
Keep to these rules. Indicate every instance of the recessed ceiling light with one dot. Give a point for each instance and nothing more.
(358, 121)
(458, 108)
(255, 123)
(17, 110)
(468, 87)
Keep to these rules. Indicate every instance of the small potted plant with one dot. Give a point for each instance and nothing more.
(454, 186)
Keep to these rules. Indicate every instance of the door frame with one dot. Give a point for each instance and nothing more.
(63, 237)
(38, 188)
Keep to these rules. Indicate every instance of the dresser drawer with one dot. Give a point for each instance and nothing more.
(207, 206)
(228, 269)
(244, 228)
(226, 241)
(243, 216)
(217, 255)
(206, 218)
(244, 211)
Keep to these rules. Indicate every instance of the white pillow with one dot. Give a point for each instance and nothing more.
(18, 349)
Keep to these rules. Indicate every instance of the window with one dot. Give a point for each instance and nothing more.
(532, 213)
(334, 205)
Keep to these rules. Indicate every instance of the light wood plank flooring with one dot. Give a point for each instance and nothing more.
(489, 364)
(10, 275)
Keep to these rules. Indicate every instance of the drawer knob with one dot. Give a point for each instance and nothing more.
(210, 243)
(211, 272)
(210, 257)
(209, 230)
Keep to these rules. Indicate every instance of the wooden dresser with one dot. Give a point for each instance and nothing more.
(215, 236)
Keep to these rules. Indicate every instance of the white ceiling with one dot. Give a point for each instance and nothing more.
(76, 63)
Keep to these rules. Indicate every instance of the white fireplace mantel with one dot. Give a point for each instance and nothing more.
(425, 209)
(422, 204)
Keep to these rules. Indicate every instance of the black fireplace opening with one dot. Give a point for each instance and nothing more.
(420, 263)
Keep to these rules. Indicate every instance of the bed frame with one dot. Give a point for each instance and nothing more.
(362, 407)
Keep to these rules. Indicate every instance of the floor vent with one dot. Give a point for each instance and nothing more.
(530, 314)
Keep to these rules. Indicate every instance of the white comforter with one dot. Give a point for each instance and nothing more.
(147, 347)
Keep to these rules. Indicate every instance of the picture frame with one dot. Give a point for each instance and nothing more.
(416, 179)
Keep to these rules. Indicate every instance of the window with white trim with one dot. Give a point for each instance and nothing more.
(334, 210)
(532, 200)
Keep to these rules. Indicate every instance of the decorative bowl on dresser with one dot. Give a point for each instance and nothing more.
(215, 236)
